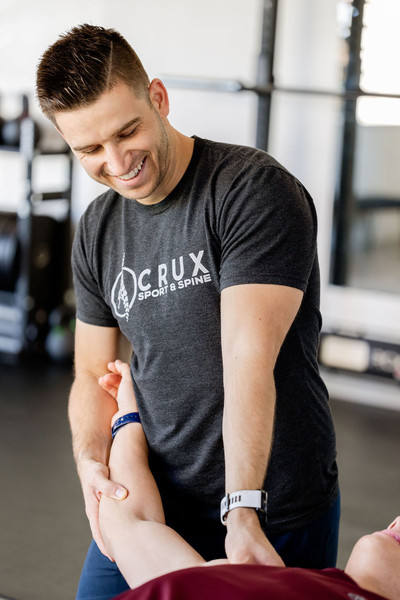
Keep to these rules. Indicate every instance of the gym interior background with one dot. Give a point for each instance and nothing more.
(317, 85)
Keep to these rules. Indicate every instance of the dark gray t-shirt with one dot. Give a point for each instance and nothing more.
(156, 272)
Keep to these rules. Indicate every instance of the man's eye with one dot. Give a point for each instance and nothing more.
(129, 133)
(91, 151)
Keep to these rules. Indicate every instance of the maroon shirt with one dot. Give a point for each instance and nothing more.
(251, 582)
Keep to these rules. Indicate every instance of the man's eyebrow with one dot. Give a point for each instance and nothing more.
(130, 123)
(134, 121)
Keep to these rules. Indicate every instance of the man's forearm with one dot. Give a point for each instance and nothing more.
(248, 430)
(90, 410)
(91, 407)
(248, 422)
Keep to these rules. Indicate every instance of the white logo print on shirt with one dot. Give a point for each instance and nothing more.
(152, 284)
(124, 291)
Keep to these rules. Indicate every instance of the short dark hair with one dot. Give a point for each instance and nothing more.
(82, 64)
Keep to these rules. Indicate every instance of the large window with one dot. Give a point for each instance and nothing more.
(367, 210)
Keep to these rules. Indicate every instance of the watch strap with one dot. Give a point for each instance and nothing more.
(256, 499)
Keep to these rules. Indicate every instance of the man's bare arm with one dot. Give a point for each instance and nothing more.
(90, 411)
(255, 321)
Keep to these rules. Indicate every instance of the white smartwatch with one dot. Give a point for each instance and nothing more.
(245, 499)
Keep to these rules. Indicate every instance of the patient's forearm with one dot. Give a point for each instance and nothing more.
(134, 529)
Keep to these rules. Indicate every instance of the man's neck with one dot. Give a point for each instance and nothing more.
(183, 148)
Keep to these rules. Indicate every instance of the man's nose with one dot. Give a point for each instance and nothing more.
(118, 161)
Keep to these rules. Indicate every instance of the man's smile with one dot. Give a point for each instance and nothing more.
(132, 174)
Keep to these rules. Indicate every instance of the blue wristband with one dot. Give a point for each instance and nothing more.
(124, 420)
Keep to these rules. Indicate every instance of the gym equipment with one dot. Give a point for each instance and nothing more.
(360, 355)
(34, 248)
(9, 251)
(10, 129)
(60, 338)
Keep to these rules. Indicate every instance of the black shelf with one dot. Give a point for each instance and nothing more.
(43, 245)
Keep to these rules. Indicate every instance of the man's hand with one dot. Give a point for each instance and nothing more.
(95, 482)
(246, 542)
(93, 474)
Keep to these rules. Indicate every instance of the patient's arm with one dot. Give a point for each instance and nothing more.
(134, 529)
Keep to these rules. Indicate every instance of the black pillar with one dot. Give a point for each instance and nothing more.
(265, 77)
(344, 197)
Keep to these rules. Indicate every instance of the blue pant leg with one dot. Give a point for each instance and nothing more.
(100, 578)
(314, 546)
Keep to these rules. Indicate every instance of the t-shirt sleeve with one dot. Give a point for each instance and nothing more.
(90, 305)
(267, 227)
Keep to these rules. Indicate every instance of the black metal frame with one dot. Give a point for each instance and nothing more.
(344, 198)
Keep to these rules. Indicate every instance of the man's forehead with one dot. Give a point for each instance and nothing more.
(113, 112)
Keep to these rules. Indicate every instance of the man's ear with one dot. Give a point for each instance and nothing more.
(159, 97)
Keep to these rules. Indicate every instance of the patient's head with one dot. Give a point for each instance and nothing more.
(375, 562)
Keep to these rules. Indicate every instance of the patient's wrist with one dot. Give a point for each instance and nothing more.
(126, 404)
(123, 420)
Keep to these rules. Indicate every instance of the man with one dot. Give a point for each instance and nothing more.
(204, 256)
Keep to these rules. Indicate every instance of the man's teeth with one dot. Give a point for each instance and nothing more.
(133, 173)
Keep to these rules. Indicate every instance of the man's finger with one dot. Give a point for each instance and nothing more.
(113, 490)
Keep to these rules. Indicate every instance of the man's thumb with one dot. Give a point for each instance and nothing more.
(116, 491)
(120, 493)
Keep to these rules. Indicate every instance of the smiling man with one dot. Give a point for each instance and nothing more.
(203, 255)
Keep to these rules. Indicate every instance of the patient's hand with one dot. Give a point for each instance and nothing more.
(118, 383)
(246, 542)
